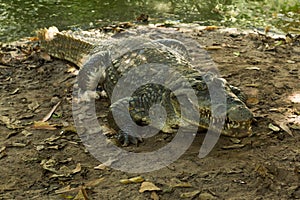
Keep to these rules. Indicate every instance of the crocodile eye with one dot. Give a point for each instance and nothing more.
(199, 85)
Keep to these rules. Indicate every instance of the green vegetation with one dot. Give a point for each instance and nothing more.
(283, 15)
(21, 17)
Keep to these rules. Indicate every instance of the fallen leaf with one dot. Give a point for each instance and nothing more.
(33, 106)
(40, 147)
(100, 167)
(237, 53)
(148, 186)
(69, 129)
(211, 28)
(51, 139)
(273, 127)
(5, 120)
(77, 169)
(49, 165)
(43, 125)
(154, 196)
(88, 184)
(284, 127)
(106, 164)
(64, 190)
(253, 68)
(15, 91)
(252, 85)
(213, 47)
(291, 61)
(18, 144)
(125, 181)
(234, 146)
(82, 195)
(182, 185)
(26, 133)
(2, 149)
(94, 183)
(206, 196)
(13, 133)
(137, 179)
(190, 194)
(235, 140)
(26, 116)
(252, 101)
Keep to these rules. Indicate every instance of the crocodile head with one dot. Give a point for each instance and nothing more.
(230, 112)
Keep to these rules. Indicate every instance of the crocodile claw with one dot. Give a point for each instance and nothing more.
(126, 139)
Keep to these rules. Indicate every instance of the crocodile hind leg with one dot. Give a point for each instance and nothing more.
(93, 71)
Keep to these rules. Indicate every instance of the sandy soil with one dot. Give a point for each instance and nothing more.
(48, 161)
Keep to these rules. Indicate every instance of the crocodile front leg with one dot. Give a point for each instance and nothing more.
(119, 111)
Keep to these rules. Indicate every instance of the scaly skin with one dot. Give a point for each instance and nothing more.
(104, 62)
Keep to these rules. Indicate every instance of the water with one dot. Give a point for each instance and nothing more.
(19, 18)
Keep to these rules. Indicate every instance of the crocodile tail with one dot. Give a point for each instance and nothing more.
(64, 45)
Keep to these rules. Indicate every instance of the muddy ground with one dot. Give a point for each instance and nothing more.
(48, 160)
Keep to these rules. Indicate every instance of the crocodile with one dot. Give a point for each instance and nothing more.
(103, 60)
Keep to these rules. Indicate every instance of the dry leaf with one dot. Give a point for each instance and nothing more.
(64, 190)
(94, 183)
(82, 195)
(273, 127)
(43, 125)
(77, 168)
(137, 179)
(234, 146)
(26, 133)
(15, 91)
(49, 165)
(252, 101)
(125, 181)
(148, 186)
(206, 196)
(33, 106)
(213, 47)
(253, 68)
(2, 149)
(18, 144)
(211, 28)
(284, 127)
(182, 185)
(5, 120)
(106, 164)
(190, 194)
(100, 167)
(154, 196)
